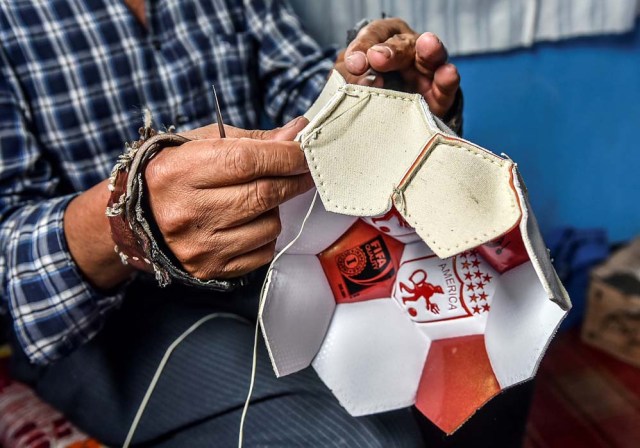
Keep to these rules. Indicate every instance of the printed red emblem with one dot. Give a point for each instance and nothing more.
(362, 264)
(420, 288)
(432, 289)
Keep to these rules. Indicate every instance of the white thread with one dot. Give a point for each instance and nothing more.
(254, 363)
(163, 362)
(195, 326)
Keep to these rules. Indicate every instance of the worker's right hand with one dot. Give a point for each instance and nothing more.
(216, 200)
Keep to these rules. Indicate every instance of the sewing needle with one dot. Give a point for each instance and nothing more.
(218, 113)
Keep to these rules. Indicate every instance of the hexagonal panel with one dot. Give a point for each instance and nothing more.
(321, 229)
(296, 312)
(521, 324)
(458, 196)
(372, 357)
(355, 171)
(446, 298)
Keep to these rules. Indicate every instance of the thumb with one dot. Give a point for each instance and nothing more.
(286, 132)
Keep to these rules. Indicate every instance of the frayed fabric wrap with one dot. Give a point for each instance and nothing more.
(132, 226)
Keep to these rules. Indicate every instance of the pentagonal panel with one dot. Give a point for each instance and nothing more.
(456, 382)
(372, 357)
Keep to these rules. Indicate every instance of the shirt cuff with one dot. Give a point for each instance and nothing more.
(54, 309)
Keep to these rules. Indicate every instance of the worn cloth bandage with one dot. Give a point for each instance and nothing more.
(137, 240)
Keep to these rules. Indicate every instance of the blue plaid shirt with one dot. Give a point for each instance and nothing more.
(74, 77)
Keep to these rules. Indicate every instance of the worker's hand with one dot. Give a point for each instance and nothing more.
(389, 45)
(216, 200)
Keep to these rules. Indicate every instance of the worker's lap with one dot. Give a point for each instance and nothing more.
(203, 387)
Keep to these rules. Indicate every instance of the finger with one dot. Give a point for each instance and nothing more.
(239, 204)
(442, 93)
(430, 53)
(243, 264)
(265, 194)
(375, 33)
(252, 235)
(220, 163)
(396, 53)
(371, 79)
(290, 130)
(286, 132)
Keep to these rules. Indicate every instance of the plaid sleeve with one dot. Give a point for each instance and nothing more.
(292, 67)
(52, 307)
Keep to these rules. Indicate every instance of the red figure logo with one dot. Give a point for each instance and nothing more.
(421, 288)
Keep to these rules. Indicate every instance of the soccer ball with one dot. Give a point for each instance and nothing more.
(387, 324)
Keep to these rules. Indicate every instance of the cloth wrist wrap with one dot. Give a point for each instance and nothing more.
(134, 233)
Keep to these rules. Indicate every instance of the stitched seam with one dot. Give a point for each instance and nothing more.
(311, 151)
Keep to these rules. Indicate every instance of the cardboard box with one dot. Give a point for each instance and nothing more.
(612, 321)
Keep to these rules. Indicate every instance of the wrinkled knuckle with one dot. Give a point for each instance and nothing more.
(186, 256)
(240, 160)
(158, 172)
(269, 253)
(218, 267)
(172, 221)
(267, 194)
(274, 227)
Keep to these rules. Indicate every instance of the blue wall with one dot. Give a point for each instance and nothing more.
(569, 114)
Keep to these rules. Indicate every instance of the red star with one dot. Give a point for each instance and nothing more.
(483, 296)
(486, 307)
(476, 310)
(478, 274)
(463, 255)
(476, 263)
(487, 278)
(480, 285)
(474, 252)
(474, 297)
(468, 276)
(471, 286)
(465, 265)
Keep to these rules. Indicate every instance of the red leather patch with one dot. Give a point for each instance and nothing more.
(506, 252)
(456, 381)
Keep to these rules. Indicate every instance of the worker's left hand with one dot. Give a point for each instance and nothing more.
(389, 45)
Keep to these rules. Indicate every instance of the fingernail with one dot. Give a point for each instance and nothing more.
(435, 36)
(367, 80)
(385, 51)
(292, 123)
(356, 62)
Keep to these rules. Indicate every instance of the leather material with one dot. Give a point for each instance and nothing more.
(370, 149)
(400, 310)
